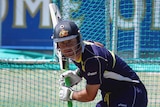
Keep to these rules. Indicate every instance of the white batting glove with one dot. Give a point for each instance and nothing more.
(73, 77)
(65, 93)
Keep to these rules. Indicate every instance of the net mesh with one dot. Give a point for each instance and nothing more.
(89, 16)
(32, 86)
(35, 85)
(130, 28)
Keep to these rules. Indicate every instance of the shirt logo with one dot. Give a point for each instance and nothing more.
(63, 33)
(122, 105)
(91, 74)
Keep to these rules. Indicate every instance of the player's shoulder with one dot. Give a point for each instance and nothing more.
(88, 42)
(88, 46)
(93, 43)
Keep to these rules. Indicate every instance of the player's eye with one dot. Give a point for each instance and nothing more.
(68, 43)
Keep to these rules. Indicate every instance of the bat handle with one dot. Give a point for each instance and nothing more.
(69, 103)
(67, 82)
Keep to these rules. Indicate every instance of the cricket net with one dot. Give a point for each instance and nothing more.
(130, 28)
(36, 84)
(32, 84)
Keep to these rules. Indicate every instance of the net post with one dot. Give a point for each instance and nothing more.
(114, 35)
(107, 24)
(137, 29)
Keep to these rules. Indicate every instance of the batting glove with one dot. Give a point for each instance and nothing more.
(73, 77)
(65, 93)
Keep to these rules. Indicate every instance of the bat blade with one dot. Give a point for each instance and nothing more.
(55, 14)
(56, 17)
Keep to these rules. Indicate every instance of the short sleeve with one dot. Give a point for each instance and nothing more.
(93, 71)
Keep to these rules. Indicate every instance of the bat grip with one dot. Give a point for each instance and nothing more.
(67, 82)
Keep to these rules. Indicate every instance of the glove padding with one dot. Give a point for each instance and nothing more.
(73, 77)
(65, 93)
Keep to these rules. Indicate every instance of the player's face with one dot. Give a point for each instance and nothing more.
(69, 48)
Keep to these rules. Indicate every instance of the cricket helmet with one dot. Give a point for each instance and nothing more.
(65, 30)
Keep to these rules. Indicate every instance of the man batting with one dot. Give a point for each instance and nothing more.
(103, 70)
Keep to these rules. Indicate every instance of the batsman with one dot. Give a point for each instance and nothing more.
(103, 70)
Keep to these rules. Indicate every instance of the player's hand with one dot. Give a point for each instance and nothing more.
(73, 77)
(65, 93)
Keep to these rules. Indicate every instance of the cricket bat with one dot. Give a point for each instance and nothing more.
(55, 14)
(64, 65)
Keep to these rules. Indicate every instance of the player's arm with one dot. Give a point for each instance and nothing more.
(87, 94)
(93, 82)
(90, 91)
